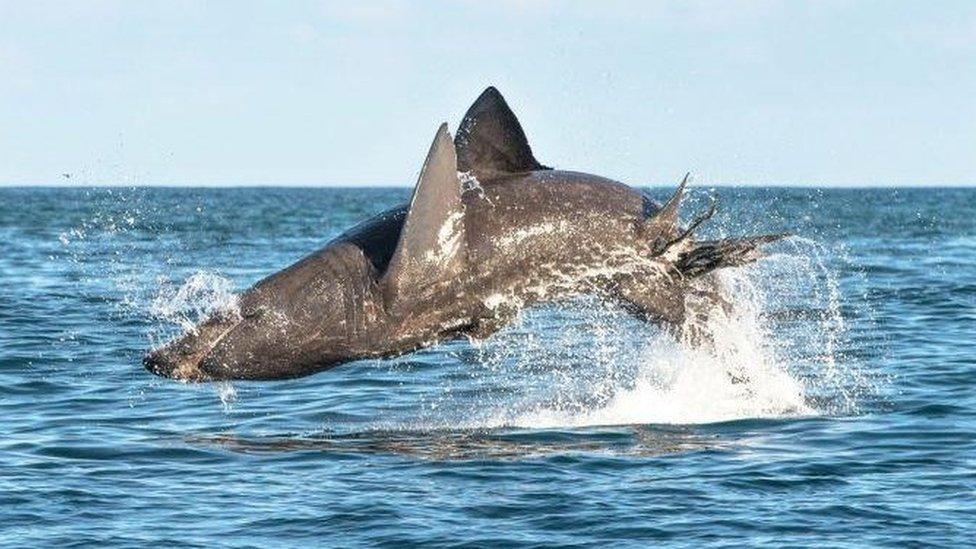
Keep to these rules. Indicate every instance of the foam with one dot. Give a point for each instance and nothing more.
(759, 366)
(200, 296)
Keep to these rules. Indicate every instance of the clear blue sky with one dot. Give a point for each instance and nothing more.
(350, 93)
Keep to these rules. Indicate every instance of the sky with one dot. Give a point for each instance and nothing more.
(757, 92)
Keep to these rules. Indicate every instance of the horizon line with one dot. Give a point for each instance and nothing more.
(61, 185)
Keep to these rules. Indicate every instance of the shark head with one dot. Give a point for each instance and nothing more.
(304, 318)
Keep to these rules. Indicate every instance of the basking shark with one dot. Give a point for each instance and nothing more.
(488, 231)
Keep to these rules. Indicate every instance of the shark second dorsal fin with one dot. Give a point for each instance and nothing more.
(490, 141)
(431, 247)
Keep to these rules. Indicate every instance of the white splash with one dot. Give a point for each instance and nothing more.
(675, 383)
(542, 229)
(774, 354)
(495, 301)
(449, 239)
(227, 394)
(202, 295)
(449, 233)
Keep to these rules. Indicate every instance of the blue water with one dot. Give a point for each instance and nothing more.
(855, 425)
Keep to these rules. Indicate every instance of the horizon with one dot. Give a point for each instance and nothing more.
(328, 186)
(329, 94)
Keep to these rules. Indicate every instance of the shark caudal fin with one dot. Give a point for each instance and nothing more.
(708, 255)
(691, 258)
(431, 247)
(490, 141)
(664, 300)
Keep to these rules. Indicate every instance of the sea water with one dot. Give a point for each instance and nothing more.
(837, 406)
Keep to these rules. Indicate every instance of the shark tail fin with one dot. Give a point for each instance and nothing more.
(695, 258)
(708, 255)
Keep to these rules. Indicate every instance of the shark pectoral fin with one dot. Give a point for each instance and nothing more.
(490, 140)
(431, 247)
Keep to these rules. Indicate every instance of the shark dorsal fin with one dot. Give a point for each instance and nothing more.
(490, 141)
(431, 247)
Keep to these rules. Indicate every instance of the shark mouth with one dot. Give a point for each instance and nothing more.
(181, 358)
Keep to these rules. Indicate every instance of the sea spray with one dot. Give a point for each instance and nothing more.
(774, 353)
(200, 296)
(579, 362)
(736, 376)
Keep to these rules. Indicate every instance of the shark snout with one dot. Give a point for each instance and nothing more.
(166, 362)
(182, 358)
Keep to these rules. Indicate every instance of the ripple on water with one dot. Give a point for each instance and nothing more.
(839, 409)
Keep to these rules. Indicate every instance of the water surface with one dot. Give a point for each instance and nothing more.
(578, 425)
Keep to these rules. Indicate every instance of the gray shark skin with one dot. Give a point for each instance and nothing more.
(488, 231)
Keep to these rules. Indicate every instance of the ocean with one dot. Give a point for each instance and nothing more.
(838, 409)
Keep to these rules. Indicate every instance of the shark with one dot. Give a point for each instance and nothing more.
(488, 231)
